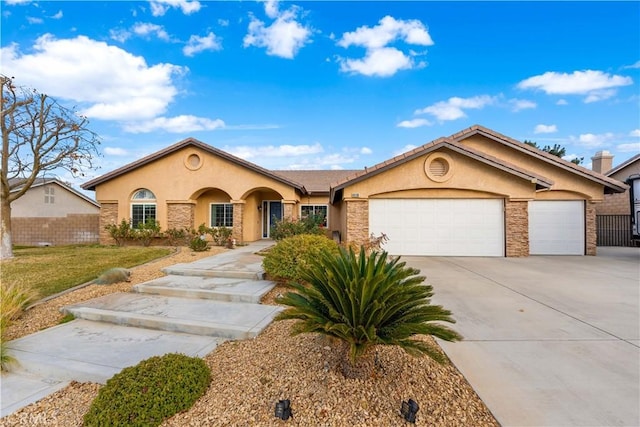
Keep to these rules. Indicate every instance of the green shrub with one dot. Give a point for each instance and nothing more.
(119, 232)
(176, 236)
(198, 242)
(146, 231)
(291, 256)
(363, 301)
(151, 391)
(14, 298)
(289, 228)
(221, 235)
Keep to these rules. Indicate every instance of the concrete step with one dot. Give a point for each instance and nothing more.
(194, 270)
(92, 351)
(233, 320)
(214, 288)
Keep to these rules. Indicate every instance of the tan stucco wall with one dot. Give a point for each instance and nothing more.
(32, 205)
(173, 179)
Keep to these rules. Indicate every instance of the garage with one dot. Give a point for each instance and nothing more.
(556, 227)
(439, 227)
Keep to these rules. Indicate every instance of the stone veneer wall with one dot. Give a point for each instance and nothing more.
(181, 215)
(288, 211)
(357, 221)
(615, 204)
(69, 230)
(590, 225)
(238, 220)
(108, 215)
(517, 228)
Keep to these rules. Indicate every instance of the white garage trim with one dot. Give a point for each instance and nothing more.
(556, 227)
(439, 227)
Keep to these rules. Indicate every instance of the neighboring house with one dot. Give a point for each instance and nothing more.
(475, 193)
(614, 213)
(53, 213)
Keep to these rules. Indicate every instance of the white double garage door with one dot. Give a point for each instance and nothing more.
(474, 227)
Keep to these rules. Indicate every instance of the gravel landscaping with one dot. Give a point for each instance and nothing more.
(249, 377)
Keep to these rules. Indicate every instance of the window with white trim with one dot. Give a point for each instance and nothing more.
(221, 215)
(143, 207)
(316, 210)
(49, 195)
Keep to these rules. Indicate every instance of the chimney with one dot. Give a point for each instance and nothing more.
(602, 162)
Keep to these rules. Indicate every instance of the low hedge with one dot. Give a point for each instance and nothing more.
(149, 392)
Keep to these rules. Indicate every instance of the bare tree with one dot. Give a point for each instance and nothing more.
(38, 136)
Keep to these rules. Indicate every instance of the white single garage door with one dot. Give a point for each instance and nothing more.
(556, 227)
(439, 227)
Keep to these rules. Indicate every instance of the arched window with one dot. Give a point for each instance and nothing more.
(143, 207)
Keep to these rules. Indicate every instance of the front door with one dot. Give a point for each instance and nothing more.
(271, 213)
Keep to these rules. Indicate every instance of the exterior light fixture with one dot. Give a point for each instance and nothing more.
(409, 410)
(283, 409)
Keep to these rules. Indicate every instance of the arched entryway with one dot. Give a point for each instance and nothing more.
(263, 207)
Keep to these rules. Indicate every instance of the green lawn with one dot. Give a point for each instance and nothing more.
(55, 269)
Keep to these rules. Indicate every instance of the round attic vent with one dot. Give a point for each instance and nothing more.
(193, 161)
(438, 167)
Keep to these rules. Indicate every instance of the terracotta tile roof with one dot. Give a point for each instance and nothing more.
(315, 181)
(91, 185)
(539, 180)
(611, 185)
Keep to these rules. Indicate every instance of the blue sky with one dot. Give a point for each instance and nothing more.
(331, 84)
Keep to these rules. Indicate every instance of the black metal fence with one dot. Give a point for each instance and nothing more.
(614, 230)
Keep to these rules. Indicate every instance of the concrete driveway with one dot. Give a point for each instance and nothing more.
(549, 340)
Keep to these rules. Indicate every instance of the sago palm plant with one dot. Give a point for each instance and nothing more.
(367, 300)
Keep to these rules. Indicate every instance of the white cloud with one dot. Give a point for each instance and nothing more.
(271, 8)
(380, 59)
(160, 7)
(14, 2)
(404, 149)
(119, 35)
(283, 38)
(596, 85)
(633, 147)
(382, 62)
(146, 29)
(34, 20)
(108, 82)
(366, 150)
(115, 151)
(177, 124)
(223, 22)
(635, 132)
(414, 123)
(454, 107)
(591, 140)
(562, 102)
(58, 15)
(545, 129)
(249, 152)
(521, 104)
(197, 44)
(636, 65)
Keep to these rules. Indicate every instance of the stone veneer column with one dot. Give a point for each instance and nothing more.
(516, 215)
(288, 209)
(590, 225)
(238, 220)
(108, 215)
(181, 215)
(357, 221)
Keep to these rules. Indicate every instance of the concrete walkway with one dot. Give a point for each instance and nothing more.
(190, 311)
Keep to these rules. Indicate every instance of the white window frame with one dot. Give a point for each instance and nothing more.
(144, 202)
(211, 205)
(49, 195)
(314, 206)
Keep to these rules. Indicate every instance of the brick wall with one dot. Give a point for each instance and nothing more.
(615, 204)
(591, 234)
(181, 215)
(238, 220)
(357, 221)
(108, 215)
(517, 228)
(69, 230)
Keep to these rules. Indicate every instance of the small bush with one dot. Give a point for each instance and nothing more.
(289, 228)
(119, 232)
(150, 392)
(198, 243)
(221, 235)
(175, 236)
(145, 232)
(14, 298)
(291, 256)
